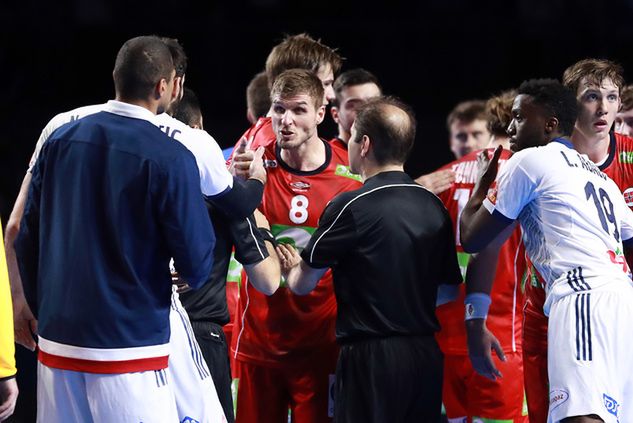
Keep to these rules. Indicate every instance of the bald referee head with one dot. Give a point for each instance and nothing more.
(382, 136)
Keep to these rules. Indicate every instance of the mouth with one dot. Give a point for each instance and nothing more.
(286, 134)
(600, 125)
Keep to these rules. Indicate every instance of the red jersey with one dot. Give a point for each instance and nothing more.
(504, 317)
(619, 167)
(259, 134)
(276, 329)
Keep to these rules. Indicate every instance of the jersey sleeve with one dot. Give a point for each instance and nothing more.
(248, 242)
(50, 127)
(334, 237)
(214, 176)
(515, 188)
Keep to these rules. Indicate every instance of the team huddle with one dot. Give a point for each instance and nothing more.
(313, 280)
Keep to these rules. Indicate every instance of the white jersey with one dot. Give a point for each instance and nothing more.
(573, 218)
(214, 176)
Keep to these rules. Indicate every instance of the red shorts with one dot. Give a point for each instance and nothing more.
(467, 394)
(535, 363)
(264, 394)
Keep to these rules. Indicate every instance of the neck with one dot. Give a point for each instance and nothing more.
(496, 141)
(307, 157)
(595, 148)
(344, 135)
(372, 169)
(152, 106)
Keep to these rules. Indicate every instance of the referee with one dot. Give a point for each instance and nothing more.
(390, 245)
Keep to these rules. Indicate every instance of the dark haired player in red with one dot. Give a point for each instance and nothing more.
(466, 394)
(284, 344)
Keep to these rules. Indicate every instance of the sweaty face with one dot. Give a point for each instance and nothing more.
(624, 123)
(598, 106)
(468, 136)
(353, 97)
(527, 128)
(326, 76)
(295, 119)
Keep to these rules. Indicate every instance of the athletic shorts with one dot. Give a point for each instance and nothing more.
(466, 394)
(265, 394)
(535, 363)
(395, 379)
(66, 396)
(589, 355)
(196, 397)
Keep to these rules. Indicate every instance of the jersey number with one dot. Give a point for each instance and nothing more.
(298, 209)
(605, 208)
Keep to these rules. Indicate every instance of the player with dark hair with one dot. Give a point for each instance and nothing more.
(283, 344)
(257, 98)
(466, 394)
(188, 110)
(351, 88)
(624, 118)
(574, 224)
(108, 195)
(390, 366)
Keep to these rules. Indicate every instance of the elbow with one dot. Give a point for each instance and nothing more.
(11, 232)
(268, 287)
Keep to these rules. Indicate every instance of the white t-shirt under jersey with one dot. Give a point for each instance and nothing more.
(573, 218)
(214, 176)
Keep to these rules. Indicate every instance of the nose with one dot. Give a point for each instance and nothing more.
(511, 130)
(602, 106)
(286, 118)
(329, 95)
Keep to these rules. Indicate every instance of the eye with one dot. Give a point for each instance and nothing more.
(612, 97)
(278, 109)
(591, 97)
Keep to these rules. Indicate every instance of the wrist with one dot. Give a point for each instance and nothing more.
(476, 306)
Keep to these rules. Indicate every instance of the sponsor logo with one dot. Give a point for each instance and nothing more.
(617, 257)
(300, 186)
(557, 397)
(626, 157)
(270, 163)
(470, 310)
(342, 170)
(188, 419)
(628, 196)
(611, 405)
(492, 196)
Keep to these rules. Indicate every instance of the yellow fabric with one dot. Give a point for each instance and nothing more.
(7, 346)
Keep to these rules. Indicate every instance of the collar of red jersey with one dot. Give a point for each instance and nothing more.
(129, 110)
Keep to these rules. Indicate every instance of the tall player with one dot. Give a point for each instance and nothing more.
(295, 52)
(468, 395)
(574, 221)
(352, 89)
(284, 344)
(597, 85)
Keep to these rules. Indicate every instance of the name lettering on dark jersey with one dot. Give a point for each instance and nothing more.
(579, 161)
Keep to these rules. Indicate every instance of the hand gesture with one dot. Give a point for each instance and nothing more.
(488, 168)
(8, 397)
(438, 181)
(481, 342)
(288, 257)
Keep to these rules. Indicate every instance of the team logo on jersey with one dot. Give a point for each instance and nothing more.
(611, 405)
(557, 397)
(626, 157)
(492, 196)
(270, 163)
(617, 257)
(628, 196)
(300, 186)
(188, 419)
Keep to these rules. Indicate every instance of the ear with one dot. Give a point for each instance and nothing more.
(178, 90)
(160, 88)
(551, 125)
(365, 146)
(320, 114)
(334, 113)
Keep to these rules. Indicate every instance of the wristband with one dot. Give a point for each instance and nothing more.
(477, 305)
(267, 236)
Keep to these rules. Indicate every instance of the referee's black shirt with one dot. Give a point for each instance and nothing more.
(389, 244)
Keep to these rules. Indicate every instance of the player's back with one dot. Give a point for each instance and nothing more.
(572, 216)
(105, 183)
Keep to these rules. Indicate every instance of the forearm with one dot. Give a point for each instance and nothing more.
(241, 200)
(302, 279)
(12, 230)
(265, 275)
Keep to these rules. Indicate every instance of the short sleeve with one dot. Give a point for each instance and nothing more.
(515, 188)
(334, 237)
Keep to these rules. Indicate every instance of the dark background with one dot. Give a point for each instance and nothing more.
(58, 55)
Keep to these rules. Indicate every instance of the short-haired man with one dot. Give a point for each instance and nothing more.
(257, 98)
(352, 88)
(467, 127)
(299, 51)
(466, 394)
(624, 118)
(284, 345)
(188, 110)
(114, 198)
(396, 238)
(574, 222)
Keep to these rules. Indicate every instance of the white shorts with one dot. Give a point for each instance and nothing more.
(196, 398)
(66, 396)
(590, 354)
